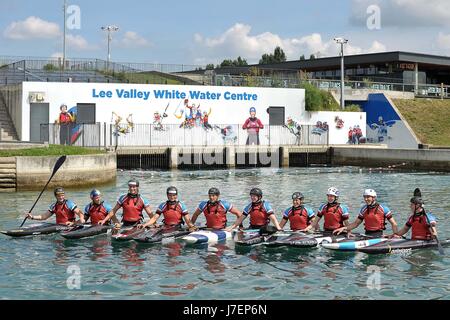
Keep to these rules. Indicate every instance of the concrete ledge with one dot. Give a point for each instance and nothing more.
(83, 170)
(407, 158)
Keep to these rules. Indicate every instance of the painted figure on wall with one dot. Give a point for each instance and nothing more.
(253, 125)
(382, 127)
(320, 128)
(65, 120)
(122, 128)
(295, 128)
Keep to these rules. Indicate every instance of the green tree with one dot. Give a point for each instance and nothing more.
(277, 56)
(312, 57)
(210, 66)
(302, 57)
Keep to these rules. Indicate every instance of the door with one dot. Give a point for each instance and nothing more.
(39, 114)
(276, 116)
(85, 113)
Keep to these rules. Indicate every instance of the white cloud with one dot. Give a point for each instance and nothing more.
(78, 43)
(443, 41)
(132, 39)
(238, 41)
(403, 13)
(32, 28)
(56, 55)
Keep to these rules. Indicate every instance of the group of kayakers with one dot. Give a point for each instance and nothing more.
(300, 217)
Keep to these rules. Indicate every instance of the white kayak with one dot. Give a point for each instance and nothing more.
(207, 236)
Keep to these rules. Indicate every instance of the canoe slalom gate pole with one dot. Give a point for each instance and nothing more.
(58, 164)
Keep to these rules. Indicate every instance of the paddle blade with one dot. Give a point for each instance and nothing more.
(58, 164)
(417, 193)
(440, 249)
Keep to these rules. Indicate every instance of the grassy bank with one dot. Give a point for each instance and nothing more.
(429, 118)
(52, 150)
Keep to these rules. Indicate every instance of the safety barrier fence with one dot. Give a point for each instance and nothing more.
(167, 135)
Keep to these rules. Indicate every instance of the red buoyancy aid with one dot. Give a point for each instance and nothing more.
(298, 218)
(63, 213)
(258, 215)
(173, 214)
(420, 227)
(132, 209)
(64, 118)
(97, 213)
(332, 217)
(216, 215)
(374, 219)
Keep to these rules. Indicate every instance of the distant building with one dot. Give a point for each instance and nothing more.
(390, 67)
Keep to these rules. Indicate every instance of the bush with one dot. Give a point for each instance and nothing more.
(50, 67)
(318, 100)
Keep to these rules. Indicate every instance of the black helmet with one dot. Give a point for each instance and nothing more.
(214, 191)
(256, 192)
(172, 190)
(417, 200)
(133, 182)
(59, 190)
(297, 195)
(95, 193)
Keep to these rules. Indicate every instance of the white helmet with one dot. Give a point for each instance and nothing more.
(333, 192)
(370, 192)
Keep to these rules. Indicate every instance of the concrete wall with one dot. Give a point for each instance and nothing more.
(404, 158)
(34, 172)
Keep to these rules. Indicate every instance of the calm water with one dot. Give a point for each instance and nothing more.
(37, 268)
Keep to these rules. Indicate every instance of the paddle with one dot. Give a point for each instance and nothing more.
(58, 164)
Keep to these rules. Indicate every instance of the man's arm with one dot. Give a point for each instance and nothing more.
(80, 214)
(111, 214)
(151, 221)
(148, 209)
(239, 218)
(274, 220)
(349, 227)
(195, 215)
(44, 216)
(393, 224)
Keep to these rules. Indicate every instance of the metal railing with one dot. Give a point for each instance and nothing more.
(169, 135)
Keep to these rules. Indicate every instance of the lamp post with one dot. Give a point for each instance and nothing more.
(109, 29)
(342, 41)
(64, 36)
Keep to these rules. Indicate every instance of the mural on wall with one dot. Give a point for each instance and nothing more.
(227, 133)
(382, 128)
(295, 128)
(339, 122)
(69, 130)
(355, 135)
(252, 125)
(384, 124)
(320, 128)
(121, 127)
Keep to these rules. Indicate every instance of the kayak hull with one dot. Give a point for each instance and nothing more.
(36, 229)
(399, 246)
(207, 236)
(157, 235)
(86, 231)
(127, 234)
(351, 245)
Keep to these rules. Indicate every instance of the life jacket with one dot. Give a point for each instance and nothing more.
(64, 118)
(374, 219)
(216, 215)
(258, 215)
(97, 212)
(132, 209)
(420, 227)
(63, 213)
(298, 218)
(332, 214)
(173, 214)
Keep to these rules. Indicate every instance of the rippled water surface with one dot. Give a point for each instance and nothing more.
(39, 267)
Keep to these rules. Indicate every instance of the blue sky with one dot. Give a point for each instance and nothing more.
(200, 32)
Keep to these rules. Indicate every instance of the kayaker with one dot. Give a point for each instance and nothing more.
(132, 205)
(422, 223)
(298, 215)
(374, 216)
(215, 212)
(97, 209)
(260, 212)
(173, 210)
(335, 213)
(65, 210)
